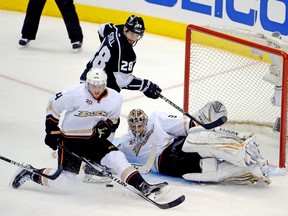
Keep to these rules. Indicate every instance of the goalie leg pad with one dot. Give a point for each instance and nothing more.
(215, 171)
(253, 152)
(209, 143)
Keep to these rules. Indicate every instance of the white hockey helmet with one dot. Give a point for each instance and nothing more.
(96, 76)
(137, 122)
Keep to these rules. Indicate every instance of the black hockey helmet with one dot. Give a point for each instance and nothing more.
(135, 24)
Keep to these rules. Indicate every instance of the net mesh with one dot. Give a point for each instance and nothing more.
(225, 70)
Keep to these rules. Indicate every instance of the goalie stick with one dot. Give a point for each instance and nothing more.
(167, 205)
(33, 170)
(149, 163)
(208, 126)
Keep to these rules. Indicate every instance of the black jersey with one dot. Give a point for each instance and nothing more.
(115, 55)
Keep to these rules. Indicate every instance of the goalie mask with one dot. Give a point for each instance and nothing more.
(137, 122)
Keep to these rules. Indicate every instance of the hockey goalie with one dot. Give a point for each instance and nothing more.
(177, 146)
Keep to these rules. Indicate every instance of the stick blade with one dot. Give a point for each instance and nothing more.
(216, 123)
(173, 203)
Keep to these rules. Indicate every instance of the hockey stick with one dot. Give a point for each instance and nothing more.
(33, 170)
(208, 126)
(98, 168)
(149, 163)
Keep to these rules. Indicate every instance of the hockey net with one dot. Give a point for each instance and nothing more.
(228, 64)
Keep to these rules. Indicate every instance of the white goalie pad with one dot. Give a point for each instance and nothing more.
(213, 171)
(209, 143)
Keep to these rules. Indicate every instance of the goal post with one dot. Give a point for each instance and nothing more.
(228, 64)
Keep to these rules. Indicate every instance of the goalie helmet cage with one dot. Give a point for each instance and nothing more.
(228, 65)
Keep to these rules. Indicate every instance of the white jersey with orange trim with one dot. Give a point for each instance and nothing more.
(82, 111)
(161, 131)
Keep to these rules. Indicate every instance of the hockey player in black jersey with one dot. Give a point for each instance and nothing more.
(117, 57)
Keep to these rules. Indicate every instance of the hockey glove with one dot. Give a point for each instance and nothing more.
(103, 129)
(150, 89)
(52, 140)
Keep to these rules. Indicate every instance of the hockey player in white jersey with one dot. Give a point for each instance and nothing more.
(186, 150)
(92, 113)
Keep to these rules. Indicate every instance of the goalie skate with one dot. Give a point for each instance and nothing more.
(211, 112)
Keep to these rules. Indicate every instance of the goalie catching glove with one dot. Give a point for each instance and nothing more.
(150, 89)
(53, 135)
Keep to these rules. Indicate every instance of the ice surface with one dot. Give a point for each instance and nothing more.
(29, 76)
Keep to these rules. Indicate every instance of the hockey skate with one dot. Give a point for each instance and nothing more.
(76, 46)
(212, 112)
(20, 178)
(257, 174)
(94, 176)
(258, 166)
(24, 42)
(154, 191)
(254, 153)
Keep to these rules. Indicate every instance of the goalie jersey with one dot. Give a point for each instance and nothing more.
(161, 131)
